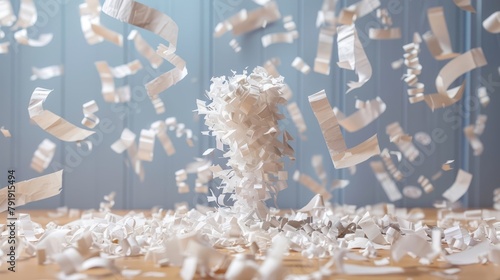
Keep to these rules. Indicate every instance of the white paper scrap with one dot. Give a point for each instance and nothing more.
(465, 5)
(127, 138)
(324, 51)
(438, 39)
(43, 155)
(146, 145)
(352, 55)
(301, 65)
(280, 37)
(492, 23)
(7, 17)
(5, 132)
(370, 111)
(409, 150)
(27, 16)
(297, 118)
(145, 49)
(459, 187)
(52, 123)
(46, 72)
(412, 192)
(4, 47)
(124, 70)
(341, 156)
(89, 119)
(33, 190)
(21, 37)
(390, 188)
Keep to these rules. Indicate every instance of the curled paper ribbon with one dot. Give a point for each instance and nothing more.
(43, 155)
(46, 72)
(21, 37)
(27, 15)
(89, 119)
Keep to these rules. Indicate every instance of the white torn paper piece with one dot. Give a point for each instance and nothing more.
(472, 133)
(470, 256)
(341, 156)
(145, 49)
(126, 140)
(438, 38)
(412, 192)
(324, 51)
(389, 164)
(492, 23)
(52, 123)
(412, 243)
(425, 184)
(43, 155)
(356, 11)
(90, 12)
(244, 21)
(108, 91)
(390, 188)
(146, 145)
(352, 56)
(339, 184)
(423, 138)
(447, 165)
(89, 119)
(160, 129)
(301, 65)
(397, 63)
(482, 94)
(33, 190)
(128, 69)
(235, 45)
(465, 5)
(270, 67)
(406, 147)
(5, 132)
(297, 118)
(107, 34)
(387, 32)
(369, 112)
(459, 187)
(46, 72)
(27, 15)
(4, 47)
(21, 37)
(7, 17)
(279, 37)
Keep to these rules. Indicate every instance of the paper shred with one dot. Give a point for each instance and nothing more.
(436, 176)
(352, 55)
(289, 24)
(280, 37)
(385, 33)
(33, 190)
(235, 45)
(438, 38)
(270, 67)
(397, 63)
(459, 187)
(390, 188)
(391, 167)
(311, 184)
(52, 123)
(470, 256)
(127, 138)
(5, 132)
(465, 5)
(109, 93)
(43, 155)
(370, 111)
(297, 118)
(482, 94)
(496, 198)
(425, 184)
(107, 34)
(301, 65)
(492, 23)
(180, 179)
(324, 51)
(4, 47)
(27, 15)
(423, 138)
(90, 14)
(414, 244)
(142, 16)
(339, 184)
(447, 165)
(356, 11)
(7, 17)
(128, 69)
(146, 145)
(46, 72)
(21, 37)
(145, 49)
(341, 156)
(160, 130)
(89, 119)
(472, 133)
(319, 169)
(412, 192)
(244, 21)
(406, 147)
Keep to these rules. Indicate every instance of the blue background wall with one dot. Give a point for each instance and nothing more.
(87, 178)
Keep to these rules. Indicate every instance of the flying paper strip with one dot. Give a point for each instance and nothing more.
(7, 17)
(425, 184)
(311, 184)
(280, 37)
(89, 119)
(109, 93)
(390, 188)
(52, 123)
(21, 37)
(356, 11)
(46, 72)
(472, 133)
(244, 21)
(5, 132)
(459, 187)
(465, 5)
(370, 111)
(4, 47)
(406, 147)
(146, 145)
(297, 118)
(90, 14)
(448, 74)
(341, 156)
(160, 129)
(482, 94)
(387, 32)
(386, 157)
(438, 38)
(145, 49)
(352, 55)
(27, 15)
(107, 34)
(324, 51)
(301, 65)
(128, 69)
(33, 190)
(43, 155)
(127, 138)
(492, 23)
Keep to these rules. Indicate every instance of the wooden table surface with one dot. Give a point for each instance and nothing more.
(295, 263)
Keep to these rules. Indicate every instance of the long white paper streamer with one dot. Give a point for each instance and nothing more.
(438, 38)
(21, 37)
(341, 156)
(33, 190)
(324, 51)
(52, 123)
(46, 72)
(352, 55)
(43, 155)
